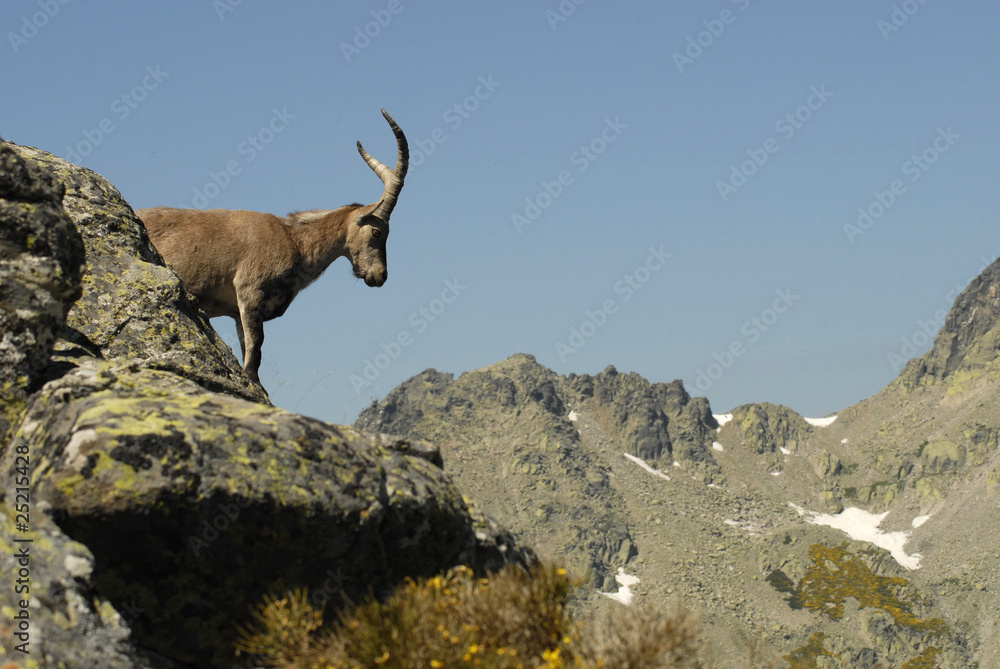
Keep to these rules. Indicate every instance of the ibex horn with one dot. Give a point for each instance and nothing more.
(393, 179)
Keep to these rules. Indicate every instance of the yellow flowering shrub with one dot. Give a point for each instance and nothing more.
(511, 620)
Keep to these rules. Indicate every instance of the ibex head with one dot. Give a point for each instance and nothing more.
(369, 228)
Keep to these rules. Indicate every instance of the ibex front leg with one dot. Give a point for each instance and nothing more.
(250, 327)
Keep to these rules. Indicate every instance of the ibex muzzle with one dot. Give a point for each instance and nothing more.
(250, 265)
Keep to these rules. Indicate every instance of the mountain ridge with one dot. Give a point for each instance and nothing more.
(727, 512)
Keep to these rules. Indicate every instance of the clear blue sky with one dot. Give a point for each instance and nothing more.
(693, 165)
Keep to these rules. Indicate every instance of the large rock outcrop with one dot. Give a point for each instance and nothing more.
(132, 306)
(660, 422)
(150, 493)
(41, 261)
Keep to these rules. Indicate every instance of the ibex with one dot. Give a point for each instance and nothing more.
(250, 265)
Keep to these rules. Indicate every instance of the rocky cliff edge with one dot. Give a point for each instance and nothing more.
(150, 493)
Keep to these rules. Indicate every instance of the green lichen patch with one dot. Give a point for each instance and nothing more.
(926, 660)
(837, 575)
(942, 455)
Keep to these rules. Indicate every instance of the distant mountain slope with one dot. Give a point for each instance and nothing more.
(870, 537)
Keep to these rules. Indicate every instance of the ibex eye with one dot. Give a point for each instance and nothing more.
(376, 232)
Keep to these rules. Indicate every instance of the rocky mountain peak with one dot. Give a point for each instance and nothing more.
(652, 419)
(968, 346)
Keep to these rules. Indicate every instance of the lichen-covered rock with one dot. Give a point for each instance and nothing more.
(41, 259)
(875, 612)
(132, 306)
(196, 504)
(942, 455)
(766, 428)
(162, 494)
(825, 464)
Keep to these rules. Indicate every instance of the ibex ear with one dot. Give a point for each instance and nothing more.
(365, 214)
